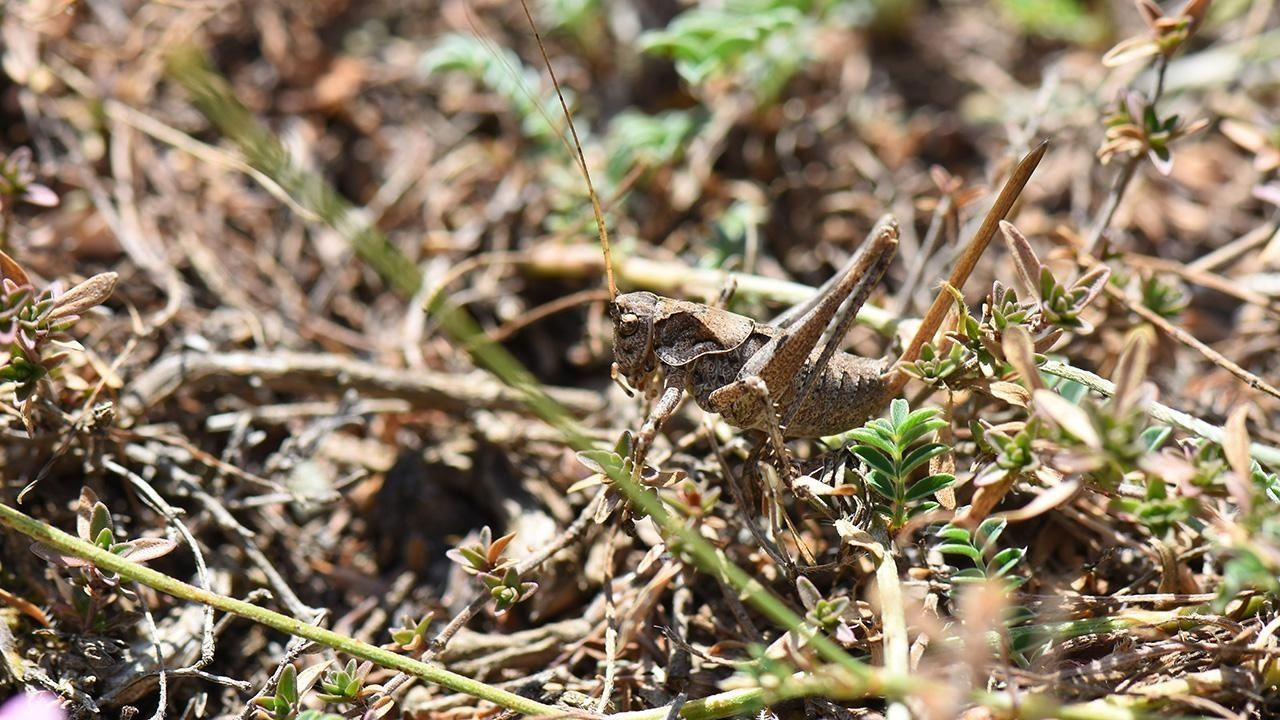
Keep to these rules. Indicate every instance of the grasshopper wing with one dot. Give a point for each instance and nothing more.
(686, 331)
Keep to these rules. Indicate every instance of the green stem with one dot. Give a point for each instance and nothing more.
(1264, 454)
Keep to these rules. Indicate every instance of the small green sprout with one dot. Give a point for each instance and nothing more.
(980, 548)
(344, 685)
(484, 556)
(94, 587)
(412, 637)
(893, 450)
(508, 589)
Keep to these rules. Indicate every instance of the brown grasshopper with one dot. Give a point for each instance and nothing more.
(786, 377)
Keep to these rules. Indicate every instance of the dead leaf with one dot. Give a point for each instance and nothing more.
(11, 270)
(88, 294)
(1235, 445)
(1071, 418)
(1021, 355)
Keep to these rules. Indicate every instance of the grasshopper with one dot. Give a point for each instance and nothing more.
(786, 378)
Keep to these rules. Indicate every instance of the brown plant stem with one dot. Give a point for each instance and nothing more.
(1193, 342)
(964, 266)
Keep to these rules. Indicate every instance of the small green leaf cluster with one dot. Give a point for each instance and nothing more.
(36, 339)
(975, 350)
(343, 685)
(1161, 508)
(508, 588)
(981, 548)
(942, 369)
(1015, 454)
(484, 559)
(758, 43)
(1112, 436)
(821, 614)
(1133, 127)
(484, 555)
(1061, 305)
(95, 588)
(618, 462)
(34, 324)
(1165, 33)
(286, 703)
(648, 140)
(412, 636)
(1164, 298)
(893, 450)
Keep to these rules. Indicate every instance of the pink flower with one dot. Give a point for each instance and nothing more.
(32, 706)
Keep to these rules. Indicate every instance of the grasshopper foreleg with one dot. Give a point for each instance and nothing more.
(673, 385)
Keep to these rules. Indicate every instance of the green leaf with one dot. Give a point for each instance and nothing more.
(882, 426)
(99, 522)
(1004, 560)
(898, 412)
(968, 551)
(1155, 436)
(990, 529)
(951, 532)
(968, 576)
(914, 418)
(875, 440)
(923, 508)
(876, 460)
(1072, 391)
(929, 486)
(920, 456)
(879, 483)
(287, 688)
(601, 461)
(916, 428)
(1047, 285)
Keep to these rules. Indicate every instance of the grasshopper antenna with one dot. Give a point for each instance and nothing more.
(582, 158)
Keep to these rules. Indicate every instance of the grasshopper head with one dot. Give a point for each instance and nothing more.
(632, 315)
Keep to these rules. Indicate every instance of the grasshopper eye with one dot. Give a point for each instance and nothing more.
(628, 324)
